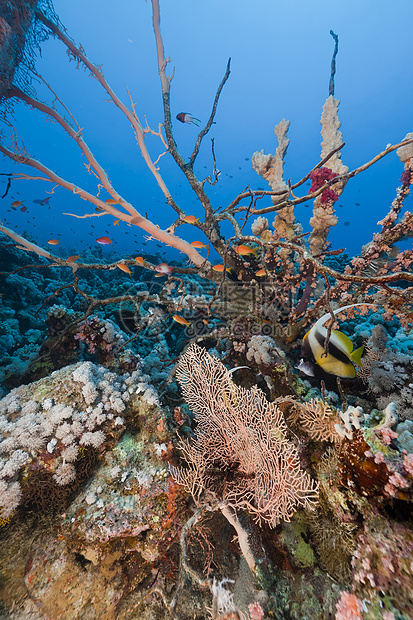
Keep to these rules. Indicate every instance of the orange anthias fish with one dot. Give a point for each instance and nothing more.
(185, 117)
(244, 250)
(198, 244)
(140, 260)
(180, 319)
(164, 269)
(17, 203)
(111, 202)
(190, 219)
(72, 259)
(104, 241)
(53, 242)
(220, 268)
(261, 272)
(124, 268)
(116, 222)
(23, 209)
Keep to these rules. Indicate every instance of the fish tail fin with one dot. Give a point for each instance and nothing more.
(356, 356)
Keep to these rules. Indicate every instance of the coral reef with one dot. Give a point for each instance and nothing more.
(162, 453)
(47, 426)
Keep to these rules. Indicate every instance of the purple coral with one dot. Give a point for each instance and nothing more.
(319, 177)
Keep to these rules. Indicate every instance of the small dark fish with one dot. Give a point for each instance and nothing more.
(346, 223)
(41, 201)
(184, 117)
(357, 204)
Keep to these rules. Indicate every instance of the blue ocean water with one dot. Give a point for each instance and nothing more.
(281, 54)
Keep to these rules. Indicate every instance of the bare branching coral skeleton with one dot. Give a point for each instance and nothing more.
(284, 253)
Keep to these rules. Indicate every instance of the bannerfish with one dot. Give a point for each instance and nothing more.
(184, 117)
(340, 358)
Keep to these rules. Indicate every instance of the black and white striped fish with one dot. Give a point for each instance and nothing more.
(340, 359)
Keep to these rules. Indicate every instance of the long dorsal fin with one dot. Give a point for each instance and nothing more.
(319, 325)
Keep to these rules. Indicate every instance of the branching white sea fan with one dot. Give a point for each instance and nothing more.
(241, 452)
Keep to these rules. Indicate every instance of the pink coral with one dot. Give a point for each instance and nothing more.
(387, 435)
(408, 463)
(407, 177)
(349, 607)
(379, 458)
(328, 195)
(319, 177)
(256, 611)
(398, 481)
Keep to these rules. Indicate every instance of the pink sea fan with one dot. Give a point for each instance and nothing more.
(240, 438)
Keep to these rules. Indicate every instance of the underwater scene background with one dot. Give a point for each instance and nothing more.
(206, 381)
